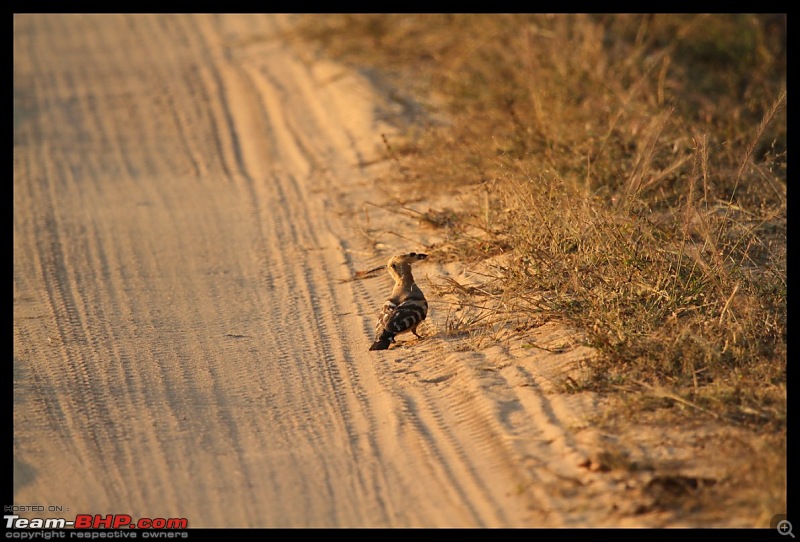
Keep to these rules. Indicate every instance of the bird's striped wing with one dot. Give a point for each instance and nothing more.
(399, 318)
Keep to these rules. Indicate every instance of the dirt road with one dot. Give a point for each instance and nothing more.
(187, 192)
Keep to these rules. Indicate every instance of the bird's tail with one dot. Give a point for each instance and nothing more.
(382, 342)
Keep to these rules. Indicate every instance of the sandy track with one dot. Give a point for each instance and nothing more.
(185, 196)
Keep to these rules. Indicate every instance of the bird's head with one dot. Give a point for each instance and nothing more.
(411, 257)
(400, 264)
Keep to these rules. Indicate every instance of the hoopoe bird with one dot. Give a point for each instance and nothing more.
(406, 307)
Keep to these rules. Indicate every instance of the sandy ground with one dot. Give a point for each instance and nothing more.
(188, 193)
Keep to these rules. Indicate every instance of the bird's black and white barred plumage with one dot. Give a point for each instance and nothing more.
(406, 308)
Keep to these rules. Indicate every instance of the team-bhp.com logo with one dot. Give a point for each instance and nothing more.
(96, 521)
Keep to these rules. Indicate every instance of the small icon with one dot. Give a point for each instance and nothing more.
(784, 528)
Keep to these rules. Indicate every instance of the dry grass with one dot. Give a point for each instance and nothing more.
(629, 169)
